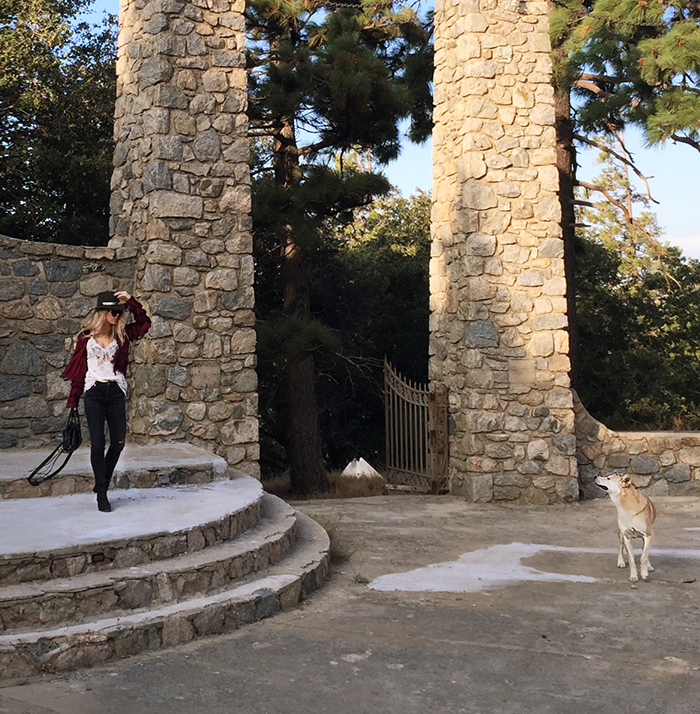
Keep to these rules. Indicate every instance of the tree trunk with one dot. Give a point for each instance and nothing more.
(305, 452)
(566, 161)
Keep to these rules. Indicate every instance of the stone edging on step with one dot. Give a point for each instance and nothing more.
(81, 480)
(64, 601)
(127, 552)
(95, 643)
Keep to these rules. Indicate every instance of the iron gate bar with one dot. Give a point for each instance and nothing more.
(415, 433)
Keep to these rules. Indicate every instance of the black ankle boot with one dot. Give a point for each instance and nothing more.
(103, 503)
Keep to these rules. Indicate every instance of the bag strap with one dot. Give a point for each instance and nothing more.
(35, 478)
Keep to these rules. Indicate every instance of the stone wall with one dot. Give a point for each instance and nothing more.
(180, 241)
(498, 311)
(661, 463)
(46, 291)
(181, 195)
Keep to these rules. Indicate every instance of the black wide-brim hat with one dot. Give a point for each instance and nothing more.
(109, 301)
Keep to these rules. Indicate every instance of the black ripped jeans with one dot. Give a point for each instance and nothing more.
(105, 403)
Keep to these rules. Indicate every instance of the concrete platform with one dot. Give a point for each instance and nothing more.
(53, 524)
(587, 642)
(197, 550)
(139, 467)
(115, 637)
(75, 599)
(66, 535)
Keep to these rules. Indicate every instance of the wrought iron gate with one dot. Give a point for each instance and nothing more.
(416, 433)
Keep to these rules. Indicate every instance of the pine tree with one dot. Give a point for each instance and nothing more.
(57, 89)
(324, 80)
(620, 63)
(633, 62)
(638, 305)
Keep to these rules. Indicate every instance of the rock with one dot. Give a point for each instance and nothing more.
(359, 468)
(20, 358)
(155, 69)
(164, 419)
(32, 407)
(678, 473)
(11, 289)
(166, 204)
(643, 465)
(207, 146)
(182, 377)
(156, 175)
(25, 268)
(171, 307)
(62, 270)
(7, 440)
(565, 443)
(480, 333)
(49, 343)
(13, 388)
(538, 450)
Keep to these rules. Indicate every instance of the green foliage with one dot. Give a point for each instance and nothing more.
(385, 300)
(632, 62)
(57, 89)
(369, 286)
(325, 85)
(638, 310)
(372, 288)
(621, 218)
(343, 76)
(639, 368)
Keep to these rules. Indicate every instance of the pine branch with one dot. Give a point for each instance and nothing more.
(619, 157)
(615, 202)
(603, 78)
(591, 87)
(657, 249)
(686, 140)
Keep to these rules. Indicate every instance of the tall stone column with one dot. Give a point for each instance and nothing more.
(498, 311)
(181, 195)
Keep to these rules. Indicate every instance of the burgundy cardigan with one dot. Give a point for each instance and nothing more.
(76, 369)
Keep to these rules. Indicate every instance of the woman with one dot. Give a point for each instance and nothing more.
(98, 367)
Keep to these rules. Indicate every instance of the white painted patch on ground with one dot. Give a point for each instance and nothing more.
(352, 658)
(495, 567)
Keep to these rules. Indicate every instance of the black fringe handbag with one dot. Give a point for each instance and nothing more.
(71, 439)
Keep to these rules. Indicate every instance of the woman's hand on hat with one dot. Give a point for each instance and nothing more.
(123, 295)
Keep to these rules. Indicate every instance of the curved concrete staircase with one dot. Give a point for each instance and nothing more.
(198, 550)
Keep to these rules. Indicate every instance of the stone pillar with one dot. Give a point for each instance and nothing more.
(498, 311)
(181, 195)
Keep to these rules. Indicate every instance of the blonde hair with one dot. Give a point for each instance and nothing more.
(98, 325)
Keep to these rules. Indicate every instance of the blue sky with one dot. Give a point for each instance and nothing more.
(673, 168)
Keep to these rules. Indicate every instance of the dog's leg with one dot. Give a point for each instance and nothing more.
(630, 553)
(645, 565)
(620, 555)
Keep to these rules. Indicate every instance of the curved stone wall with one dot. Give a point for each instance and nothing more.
(181, 242)
(661, 463)
(46, 291)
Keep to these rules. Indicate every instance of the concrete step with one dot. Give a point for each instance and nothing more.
(139, 467)
(64, 601)
(64, 536)
(102, 640)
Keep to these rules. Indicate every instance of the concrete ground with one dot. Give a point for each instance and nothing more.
(550, 625)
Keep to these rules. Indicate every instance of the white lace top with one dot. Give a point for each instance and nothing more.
(100, 366)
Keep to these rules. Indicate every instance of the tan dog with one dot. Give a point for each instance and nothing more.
(636, 514)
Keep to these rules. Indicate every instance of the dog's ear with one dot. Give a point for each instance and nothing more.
(625, 480)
